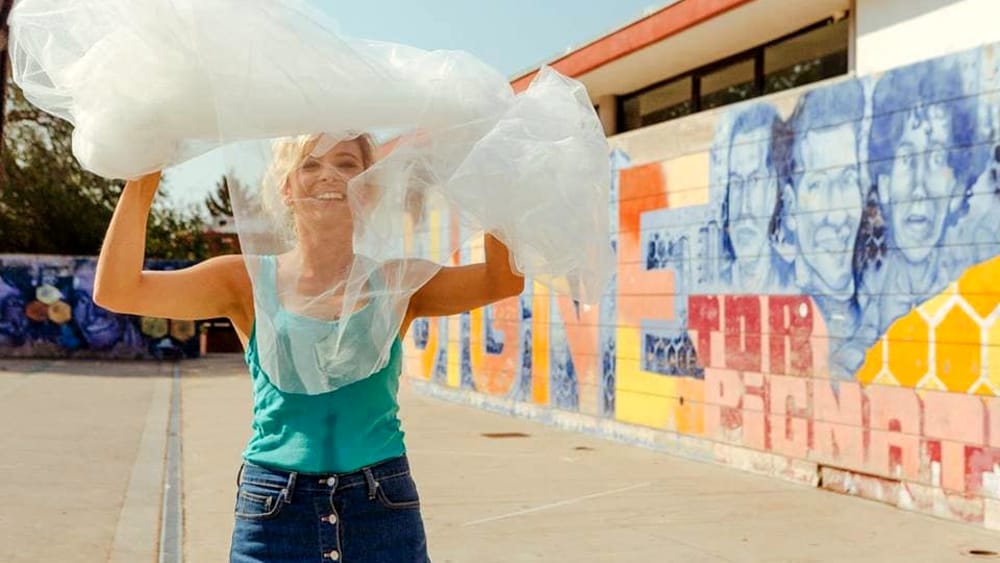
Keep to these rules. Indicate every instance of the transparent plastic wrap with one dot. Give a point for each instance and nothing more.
(345, 155)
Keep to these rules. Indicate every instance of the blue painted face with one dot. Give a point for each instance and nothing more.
(753, 189)
(922, 184)
(826, 206)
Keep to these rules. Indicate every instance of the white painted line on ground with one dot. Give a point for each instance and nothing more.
(557, 504)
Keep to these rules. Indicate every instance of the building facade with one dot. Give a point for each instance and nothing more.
(806, 216)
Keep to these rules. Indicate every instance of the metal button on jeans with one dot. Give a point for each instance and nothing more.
(335, 555)
(332, 518)
(331, 481)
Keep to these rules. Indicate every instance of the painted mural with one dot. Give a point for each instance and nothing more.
(47, 311)
(806, 287)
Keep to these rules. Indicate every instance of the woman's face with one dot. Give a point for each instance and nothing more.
(317, 190)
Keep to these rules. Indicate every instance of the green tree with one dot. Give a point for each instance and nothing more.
(50, 205)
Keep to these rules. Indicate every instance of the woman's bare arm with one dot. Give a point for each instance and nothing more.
(218, 287)
(458, 289)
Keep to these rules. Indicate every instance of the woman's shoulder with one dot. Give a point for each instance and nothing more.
(245, 264)
(228, 264)
(232, 271)
(235, 272)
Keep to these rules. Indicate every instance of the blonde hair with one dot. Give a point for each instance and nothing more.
(288, 154)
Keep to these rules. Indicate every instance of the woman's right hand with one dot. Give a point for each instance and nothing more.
(146, 185)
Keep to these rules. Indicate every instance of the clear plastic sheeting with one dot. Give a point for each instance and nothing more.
(347, 156)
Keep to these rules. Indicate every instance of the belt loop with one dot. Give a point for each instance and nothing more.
(239, 475)
(290, 487)
(372, 483)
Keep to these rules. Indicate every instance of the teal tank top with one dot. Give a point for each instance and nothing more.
(336, 432)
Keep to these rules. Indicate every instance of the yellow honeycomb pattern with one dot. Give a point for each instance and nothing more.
(948, 343)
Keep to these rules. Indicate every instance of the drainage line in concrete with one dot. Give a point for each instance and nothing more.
(172, 528)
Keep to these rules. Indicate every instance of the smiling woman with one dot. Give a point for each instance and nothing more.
(309, 169)
(316, 282)
(339, 242)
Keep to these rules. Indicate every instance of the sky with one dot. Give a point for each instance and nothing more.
(513, 36)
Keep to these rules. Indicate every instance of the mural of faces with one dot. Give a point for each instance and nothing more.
(859, 197)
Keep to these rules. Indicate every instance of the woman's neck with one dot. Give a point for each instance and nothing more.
(321, 262)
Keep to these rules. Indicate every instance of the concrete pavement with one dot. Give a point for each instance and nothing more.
(81, 480)
(71, 455)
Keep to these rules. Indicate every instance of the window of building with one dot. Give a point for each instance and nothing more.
(806, 57)
(660, 103)
(811, 54)
(731, 83)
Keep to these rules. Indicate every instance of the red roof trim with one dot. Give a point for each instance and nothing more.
(671, 20)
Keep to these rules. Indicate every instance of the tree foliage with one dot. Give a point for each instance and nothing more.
(50, 205)
(218, 202)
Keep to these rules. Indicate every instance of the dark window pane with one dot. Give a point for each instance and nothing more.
(808, 57)
(667, 113)
(629, 118)
(727, 85)
(667, 101)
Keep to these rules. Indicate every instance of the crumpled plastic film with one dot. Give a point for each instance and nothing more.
(357, 168)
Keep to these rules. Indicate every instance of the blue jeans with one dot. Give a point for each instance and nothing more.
(369, 516)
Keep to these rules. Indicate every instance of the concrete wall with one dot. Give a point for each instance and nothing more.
(805, 289)
(46, 311)
(892, 33)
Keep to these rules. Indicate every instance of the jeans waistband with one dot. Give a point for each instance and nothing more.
(290, 481)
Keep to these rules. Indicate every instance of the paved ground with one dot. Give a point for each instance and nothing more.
(81, 471)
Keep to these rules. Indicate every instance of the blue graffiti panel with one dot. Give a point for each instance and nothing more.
(47, 310)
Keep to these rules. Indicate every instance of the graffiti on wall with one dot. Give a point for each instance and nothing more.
(47, 310)
(859, 200)
(812, 280)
